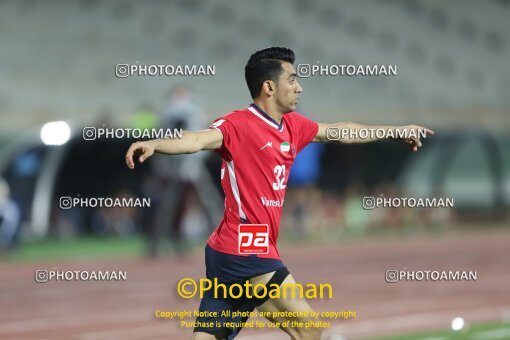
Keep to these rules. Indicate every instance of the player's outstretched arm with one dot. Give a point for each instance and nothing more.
(345, 132)
(191, 142)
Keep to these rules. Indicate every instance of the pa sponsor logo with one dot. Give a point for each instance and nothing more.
(253, 239)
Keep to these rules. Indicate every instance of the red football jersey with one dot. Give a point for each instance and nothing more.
(257, 156)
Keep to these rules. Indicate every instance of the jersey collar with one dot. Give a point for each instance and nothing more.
(257, 111)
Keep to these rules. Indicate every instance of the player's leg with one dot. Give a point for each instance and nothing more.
(203, 336)
(224, 268)
(206, 326)
(297, 304)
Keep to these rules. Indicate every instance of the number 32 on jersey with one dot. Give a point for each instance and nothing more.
(279, 172)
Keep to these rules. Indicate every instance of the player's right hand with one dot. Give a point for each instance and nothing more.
(142, 150)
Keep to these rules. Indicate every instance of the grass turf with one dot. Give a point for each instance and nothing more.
(493, 330)
(79, 248)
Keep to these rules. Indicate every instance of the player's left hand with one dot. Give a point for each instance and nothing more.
(417, 131)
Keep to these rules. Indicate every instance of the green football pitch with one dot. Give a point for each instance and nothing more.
(486, 331)
(78, 249)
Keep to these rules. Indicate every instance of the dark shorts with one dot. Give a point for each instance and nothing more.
(229, 269)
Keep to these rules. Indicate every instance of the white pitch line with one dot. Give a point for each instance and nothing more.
(503, 333)
(419, 319)
(392, 323)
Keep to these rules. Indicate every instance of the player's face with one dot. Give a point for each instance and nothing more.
(288, 89)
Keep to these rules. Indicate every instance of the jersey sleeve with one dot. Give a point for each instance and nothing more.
(233, 130)
(306, 130)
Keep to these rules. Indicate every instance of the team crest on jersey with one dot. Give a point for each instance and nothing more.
(285, 147)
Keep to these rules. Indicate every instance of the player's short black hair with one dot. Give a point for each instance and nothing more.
(265, 65)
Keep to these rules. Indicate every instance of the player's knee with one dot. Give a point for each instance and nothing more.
(308, 334)
(202, 336)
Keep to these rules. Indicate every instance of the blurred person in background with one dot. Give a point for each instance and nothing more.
(116, 220)
(9, 216)
(180, 184)
(22, 175)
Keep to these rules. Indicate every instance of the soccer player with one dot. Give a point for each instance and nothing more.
(258, 146)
